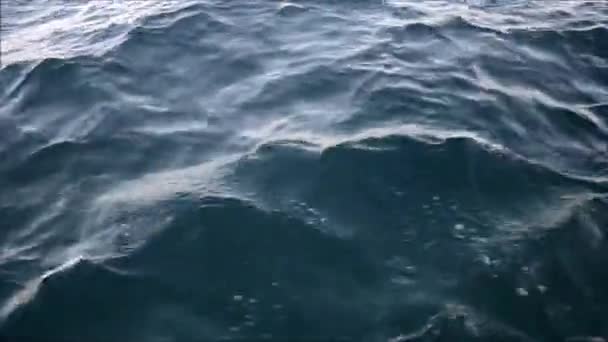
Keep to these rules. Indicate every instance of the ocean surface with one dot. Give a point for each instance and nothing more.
(314, 170)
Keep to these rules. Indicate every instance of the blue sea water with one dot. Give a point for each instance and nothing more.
(313, 170)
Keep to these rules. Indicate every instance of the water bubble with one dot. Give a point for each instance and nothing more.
(429, 244)
(402, 280)
(459, 226)
(410, 269)
(480, 239)
(459, 236)
(237, 298)
(521, 291)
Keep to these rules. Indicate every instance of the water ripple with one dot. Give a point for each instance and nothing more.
(360, 170)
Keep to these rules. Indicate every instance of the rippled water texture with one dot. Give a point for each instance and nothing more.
(354, 170)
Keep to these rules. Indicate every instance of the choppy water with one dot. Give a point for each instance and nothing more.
(354, 170)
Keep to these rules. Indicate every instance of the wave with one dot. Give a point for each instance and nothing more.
(404, 171)
(283, 248)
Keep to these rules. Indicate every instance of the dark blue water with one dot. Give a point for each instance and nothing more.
(355, 170)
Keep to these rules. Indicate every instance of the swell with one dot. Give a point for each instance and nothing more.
(559, 274)
(258, 262)
(442, 179)
(282, 258)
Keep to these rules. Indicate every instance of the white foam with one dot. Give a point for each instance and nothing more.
(196, 180)
(31, 288)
